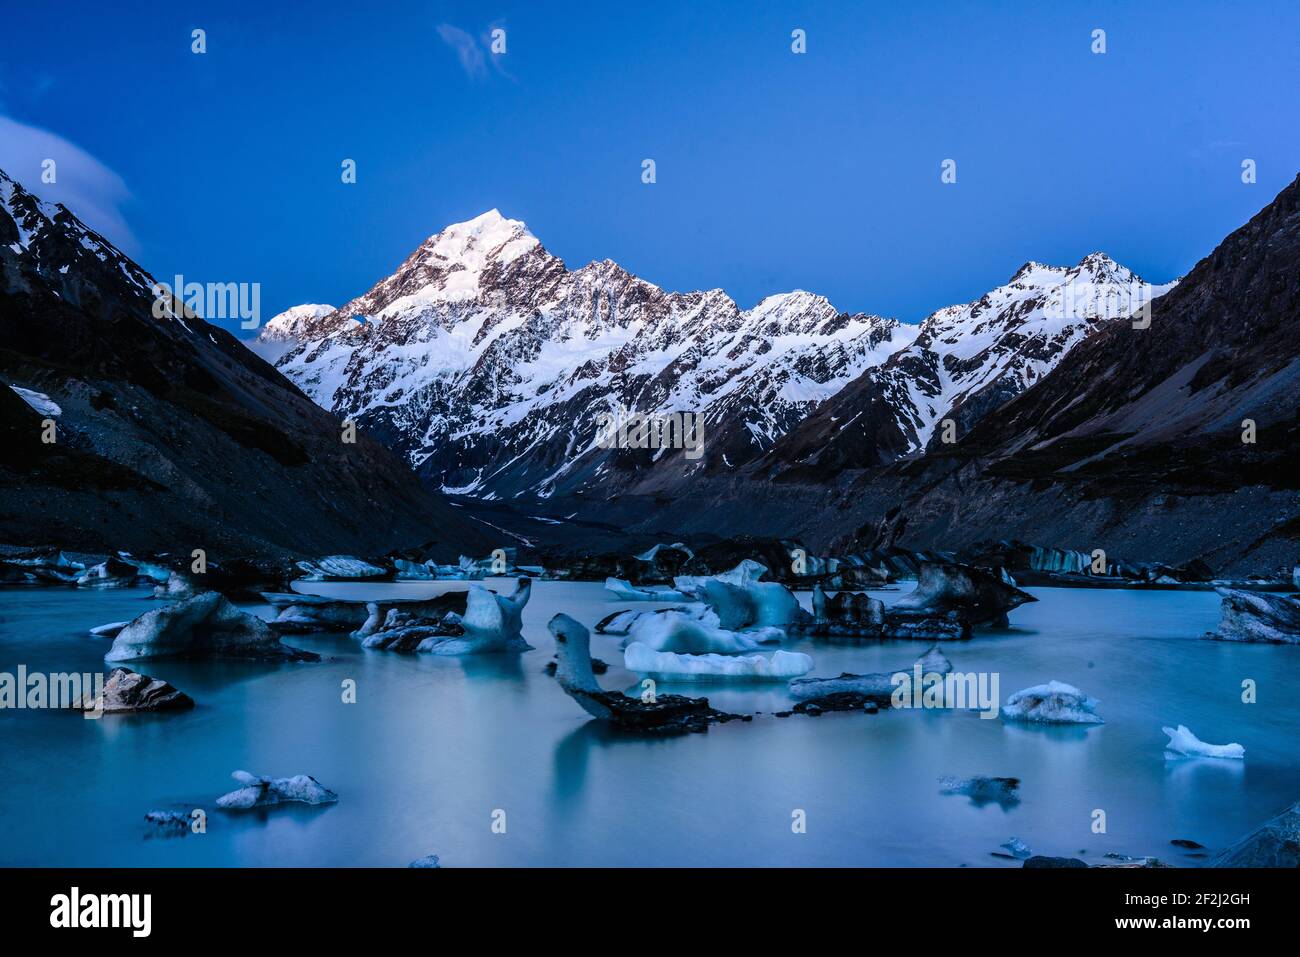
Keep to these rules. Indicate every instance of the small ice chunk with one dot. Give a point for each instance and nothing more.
(263, 792)
(1052, 703)
(1182, 741)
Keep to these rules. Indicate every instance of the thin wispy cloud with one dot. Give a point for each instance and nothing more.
(472, 58)
(92, 191)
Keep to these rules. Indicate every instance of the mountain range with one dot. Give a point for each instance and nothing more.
(488, 363)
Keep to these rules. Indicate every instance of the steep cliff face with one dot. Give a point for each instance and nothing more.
(169, 434)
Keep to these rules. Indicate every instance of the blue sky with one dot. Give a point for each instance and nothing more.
(775, 170)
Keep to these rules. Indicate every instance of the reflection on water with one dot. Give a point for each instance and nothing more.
(433, 746)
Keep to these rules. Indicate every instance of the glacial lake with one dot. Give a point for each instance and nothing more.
(433, 746)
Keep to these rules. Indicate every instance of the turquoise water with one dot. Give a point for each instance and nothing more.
(434, 746)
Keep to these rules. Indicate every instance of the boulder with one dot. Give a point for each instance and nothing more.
(206, 626)
(126, 692)
(1257, 616)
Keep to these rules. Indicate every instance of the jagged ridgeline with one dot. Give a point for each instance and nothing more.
(490, 364)
(167, 433)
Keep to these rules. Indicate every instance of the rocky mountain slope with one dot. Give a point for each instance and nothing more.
(169, 434)
(1133, 443)
(489, 364)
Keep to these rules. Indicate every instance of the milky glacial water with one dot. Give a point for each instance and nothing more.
(434, 746)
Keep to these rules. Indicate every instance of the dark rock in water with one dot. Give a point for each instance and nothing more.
(983, 790)
(1276, 843)
(970, 594)
(206, 626)
(903, 626)
(428, 861)
(1041, 861)
(113, 573)
(264, 792)
(1258, 616)
(662, 714)
(128, 691)
(1184, 842)
(169, 823)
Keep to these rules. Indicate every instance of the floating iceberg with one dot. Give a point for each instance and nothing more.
(653, 714)
(962, 591)
(178, 586)
(752, 605)
(490, 623)
(429, 860)
(112, 573)
(108, 631)
(206, 626)
(689, 633)
(1258, 616)
(263, 792)
(780, 666)
(743, 574)
(983, 790)
(341, 566)
(626, 591)
(1182, 741)
(1052, 703)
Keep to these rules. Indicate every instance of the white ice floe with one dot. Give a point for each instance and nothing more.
(626, 591)
(39, 401)
(110, 630)
(1052, 703)
(1182, 741)
(262, 792)
(779, 666)
(696, 633)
